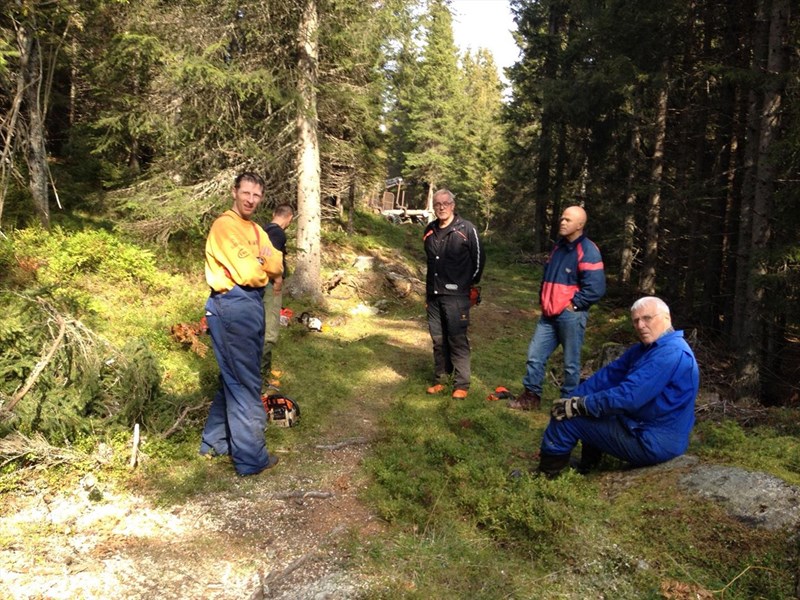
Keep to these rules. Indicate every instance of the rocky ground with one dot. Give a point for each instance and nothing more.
(273, 536)
(270, 536)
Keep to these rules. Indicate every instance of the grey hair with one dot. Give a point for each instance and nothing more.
(647, 300)
(445, 192)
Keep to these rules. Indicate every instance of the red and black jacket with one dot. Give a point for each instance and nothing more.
(573, 275)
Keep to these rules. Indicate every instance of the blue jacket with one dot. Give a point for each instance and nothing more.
(573, 274)
(652, 388)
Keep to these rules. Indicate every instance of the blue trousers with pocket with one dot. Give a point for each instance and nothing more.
(608, 434)
(237, 419)
(566, 329)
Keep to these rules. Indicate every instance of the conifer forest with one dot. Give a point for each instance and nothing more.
(675, 124)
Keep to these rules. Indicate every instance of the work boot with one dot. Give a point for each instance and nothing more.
(271, 462)
(590, 458)
(527, 400)
(551, 465)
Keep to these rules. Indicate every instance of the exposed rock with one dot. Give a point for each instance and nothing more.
(404, 285)
(754, 497)
(364, 263)
(757, 498)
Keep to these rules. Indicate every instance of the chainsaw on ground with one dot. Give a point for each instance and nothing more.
(281, 410)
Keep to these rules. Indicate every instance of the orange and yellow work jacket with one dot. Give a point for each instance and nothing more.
(238, 252)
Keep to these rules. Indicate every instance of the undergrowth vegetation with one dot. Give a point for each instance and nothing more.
(86, 334)
(91, 310)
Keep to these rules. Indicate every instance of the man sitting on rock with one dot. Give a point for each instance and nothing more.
(639, 408)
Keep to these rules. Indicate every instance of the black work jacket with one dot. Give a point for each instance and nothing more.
(455, 258)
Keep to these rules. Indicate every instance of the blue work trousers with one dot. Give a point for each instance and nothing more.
(608, 434)
(566, 329)
(237, 419)
(448, 322)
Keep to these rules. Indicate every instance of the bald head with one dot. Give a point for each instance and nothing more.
(572, 222)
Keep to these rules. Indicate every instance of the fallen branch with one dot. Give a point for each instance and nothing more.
(343, 444)
(293, 566)
(273, 576)
(43, 362)
(16, 446)
(182, 416)
(303, 495)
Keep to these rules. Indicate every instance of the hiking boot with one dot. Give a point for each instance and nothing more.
(212, 454)
(590, 459)
(527, 400)
(435, 389)
(273, 460)
(459, 394)
(551, 465)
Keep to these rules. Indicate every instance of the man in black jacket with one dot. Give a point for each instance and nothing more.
(282, 217)
(455, 263)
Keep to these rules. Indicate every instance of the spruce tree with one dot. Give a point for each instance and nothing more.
(482, 136)
(434, 107)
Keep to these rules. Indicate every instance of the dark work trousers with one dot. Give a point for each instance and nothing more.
(272, 321)
(237, 419)
(448, 321)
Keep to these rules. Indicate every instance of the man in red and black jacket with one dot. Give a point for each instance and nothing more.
(455, 258)
(573, 280)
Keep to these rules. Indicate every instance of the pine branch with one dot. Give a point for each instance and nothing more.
(40, 366)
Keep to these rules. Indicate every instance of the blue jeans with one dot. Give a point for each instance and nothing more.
(237, 419)
(608, 434)
(566, 329)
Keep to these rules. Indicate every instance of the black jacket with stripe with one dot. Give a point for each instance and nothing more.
(455, 257)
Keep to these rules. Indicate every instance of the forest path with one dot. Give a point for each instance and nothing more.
(285, 533)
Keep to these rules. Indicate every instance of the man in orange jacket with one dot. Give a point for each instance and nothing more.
(239, 262)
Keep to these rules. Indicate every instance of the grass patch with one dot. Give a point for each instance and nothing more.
(456, 524)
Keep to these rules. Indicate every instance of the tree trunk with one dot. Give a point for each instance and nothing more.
(687, 251)
(647, 282)
(726, 198)
(558, 182)
(756, 331)
(754, 100)
(351, 204)
(629, 222)
(307, 277)
(10, 141)
(541, 197)
(429, 202)
(30, 61)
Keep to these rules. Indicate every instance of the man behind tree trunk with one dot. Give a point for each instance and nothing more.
(273, 294)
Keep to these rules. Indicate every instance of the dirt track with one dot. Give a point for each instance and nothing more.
(262, 534)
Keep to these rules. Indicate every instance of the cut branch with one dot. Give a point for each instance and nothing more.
(303, 495)
(343, 444)
(16, 446)
(43, 362)
(182, 416)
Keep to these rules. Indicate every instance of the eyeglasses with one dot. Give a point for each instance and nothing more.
(645, 319)
(442, 204)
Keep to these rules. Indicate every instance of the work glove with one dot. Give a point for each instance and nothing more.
(474, 295)
(567, 408)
